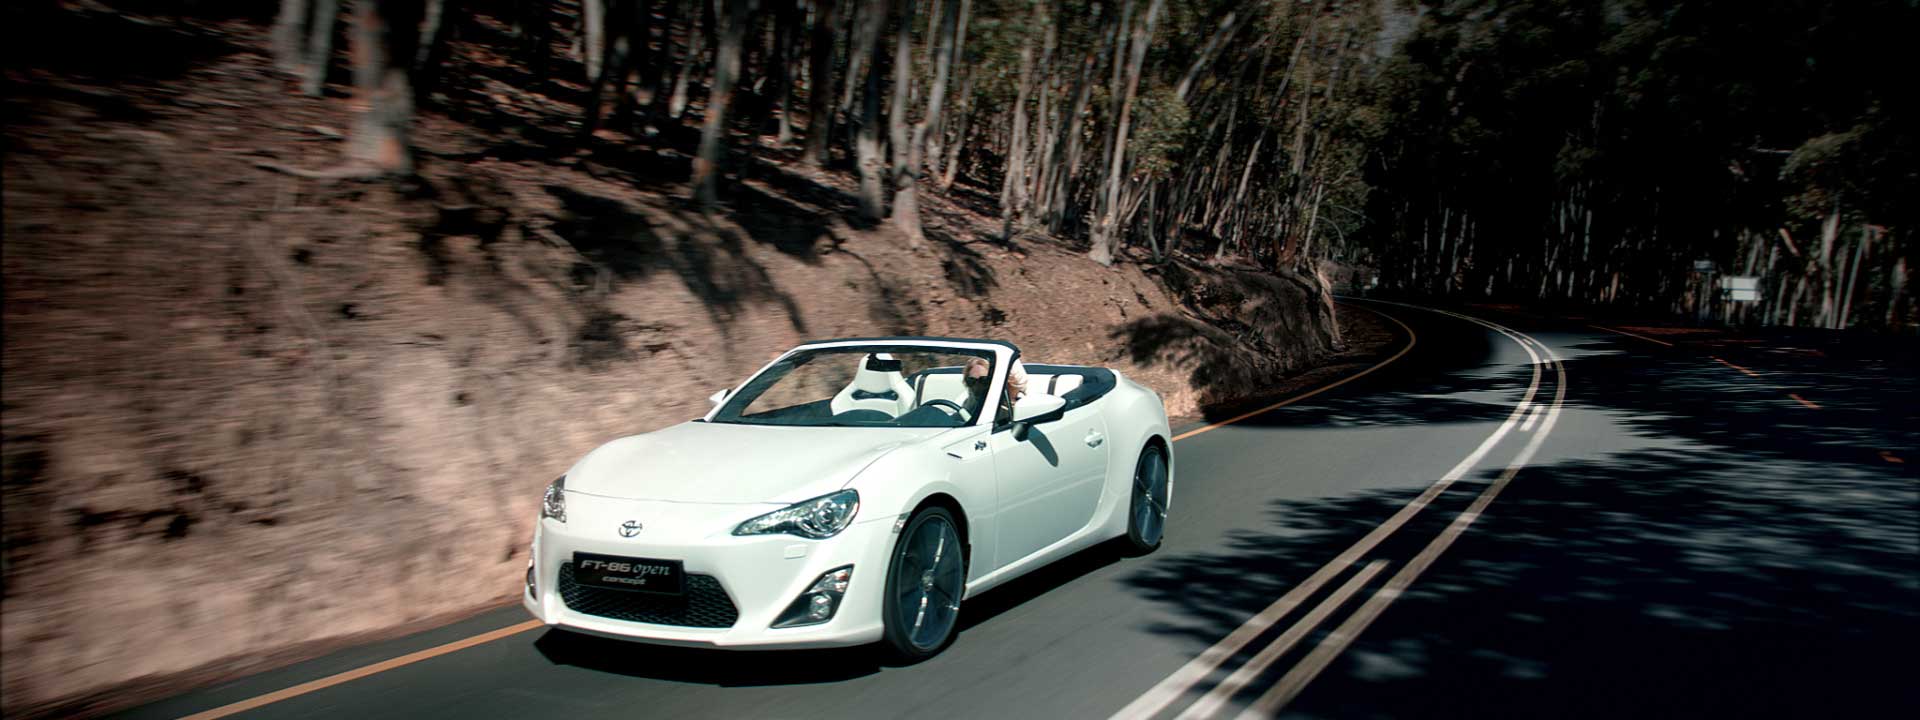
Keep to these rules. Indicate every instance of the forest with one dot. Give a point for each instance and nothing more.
(1570, 152)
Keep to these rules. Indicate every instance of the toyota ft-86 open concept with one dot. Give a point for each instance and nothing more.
(852, 491)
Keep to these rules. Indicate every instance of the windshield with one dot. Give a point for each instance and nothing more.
(866, 386)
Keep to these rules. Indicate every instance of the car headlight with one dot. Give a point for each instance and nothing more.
(554, 505)
(819, 518)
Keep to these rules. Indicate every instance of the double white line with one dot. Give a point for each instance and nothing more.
(1174, 687)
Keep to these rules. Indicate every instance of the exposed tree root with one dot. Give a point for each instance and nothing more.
(347, 171)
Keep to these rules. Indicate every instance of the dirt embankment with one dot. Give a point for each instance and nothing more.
(245, 411)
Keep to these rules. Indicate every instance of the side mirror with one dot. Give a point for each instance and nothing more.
(1036, 409)
(719, 396)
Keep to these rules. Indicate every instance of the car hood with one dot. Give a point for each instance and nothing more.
(700, 462)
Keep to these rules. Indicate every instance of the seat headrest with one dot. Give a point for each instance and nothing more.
(871, 380)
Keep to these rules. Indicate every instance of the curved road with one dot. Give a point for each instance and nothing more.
(1527, 517)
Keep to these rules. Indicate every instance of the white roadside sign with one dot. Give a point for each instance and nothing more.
(1741, 289)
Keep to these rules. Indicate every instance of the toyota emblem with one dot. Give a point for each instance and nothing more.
(630, 528)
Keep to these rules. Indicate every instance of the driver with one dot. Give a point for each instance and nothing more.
(979, 374)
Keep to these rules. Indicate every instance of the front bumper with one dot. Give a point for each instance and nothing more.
(761, 575)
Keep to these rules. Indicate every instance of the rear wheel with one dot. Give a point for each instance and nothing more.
(924, 585)
(1147, 517)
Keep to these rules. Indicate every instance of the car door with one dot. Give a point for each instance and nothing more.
(1049, 482)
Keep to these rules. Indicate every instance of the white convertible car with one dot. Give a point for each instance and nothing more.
(852, 491)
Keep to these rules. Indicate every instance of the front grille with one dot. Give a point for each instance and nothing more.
(704, 604)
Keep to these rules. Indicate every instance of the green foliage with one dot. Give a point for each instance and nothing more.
(1694, 123)
(1161, 126)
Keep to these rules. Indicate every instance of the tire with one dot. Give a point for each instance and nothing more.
(925, 581)
(1147, 510)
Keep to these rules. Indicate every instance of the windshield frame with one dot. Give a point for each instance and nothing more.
(999, 356)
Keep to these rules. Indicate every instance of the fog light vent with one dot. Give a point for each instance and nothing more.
(819, 602)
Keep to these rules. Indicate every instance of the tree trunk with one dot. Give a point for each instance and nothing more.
(616, 66)
(734, 17)
(385, 35)
(319, 46)
(1061, 199)
(936, 140)
(289, 35)
(431, 57)
(1037, 147)
(780, 65)
(1823, 271)
(1227, 28)
(636, 60)
(820, 84)
(1853, 276)
(593, 28)
(1013, 183)
(698, 25)
(660, 79)
(1793, 306)
(962, 118)
(533, 26)
(899, 113)
(1105, 231)
(1896, 282)
(867, 144)
(906, 204)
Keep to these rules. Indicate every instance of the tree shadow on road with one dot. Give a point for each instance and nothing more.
(1726, 553)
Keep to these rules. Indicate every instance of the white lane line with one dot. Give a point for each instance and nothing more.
(1210, 703)
(1175, 686)
(1533, 417)
(1335, 643)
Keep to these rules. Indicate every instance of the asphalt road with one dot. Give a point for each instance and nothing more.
(1557, 521)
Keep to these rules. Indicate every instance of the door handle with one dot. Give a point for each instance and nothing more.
(1094, 438)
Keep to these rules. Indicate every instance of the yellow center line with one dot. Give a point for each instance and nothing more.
(357, 673)
(1796, 396)
(1411, 339)
(1892, 458)
(1631, 335)
(1749, 373)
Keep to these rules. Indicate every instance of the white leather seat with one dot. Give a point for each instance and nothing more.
(943, 386)
(1037, 383)
(870, 389)
(1063, 384)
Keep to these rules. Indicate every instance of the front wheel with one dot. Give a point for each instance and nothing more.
(1147, 516)
(924, 585)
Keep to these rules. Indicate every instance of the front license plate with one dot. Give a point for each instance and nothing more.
(624, 573)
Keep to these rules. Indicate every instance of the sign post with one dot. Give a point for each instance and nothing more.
(1703, 275)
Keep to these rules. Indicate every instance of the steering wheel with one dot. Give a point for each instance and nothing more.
(958, 411)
